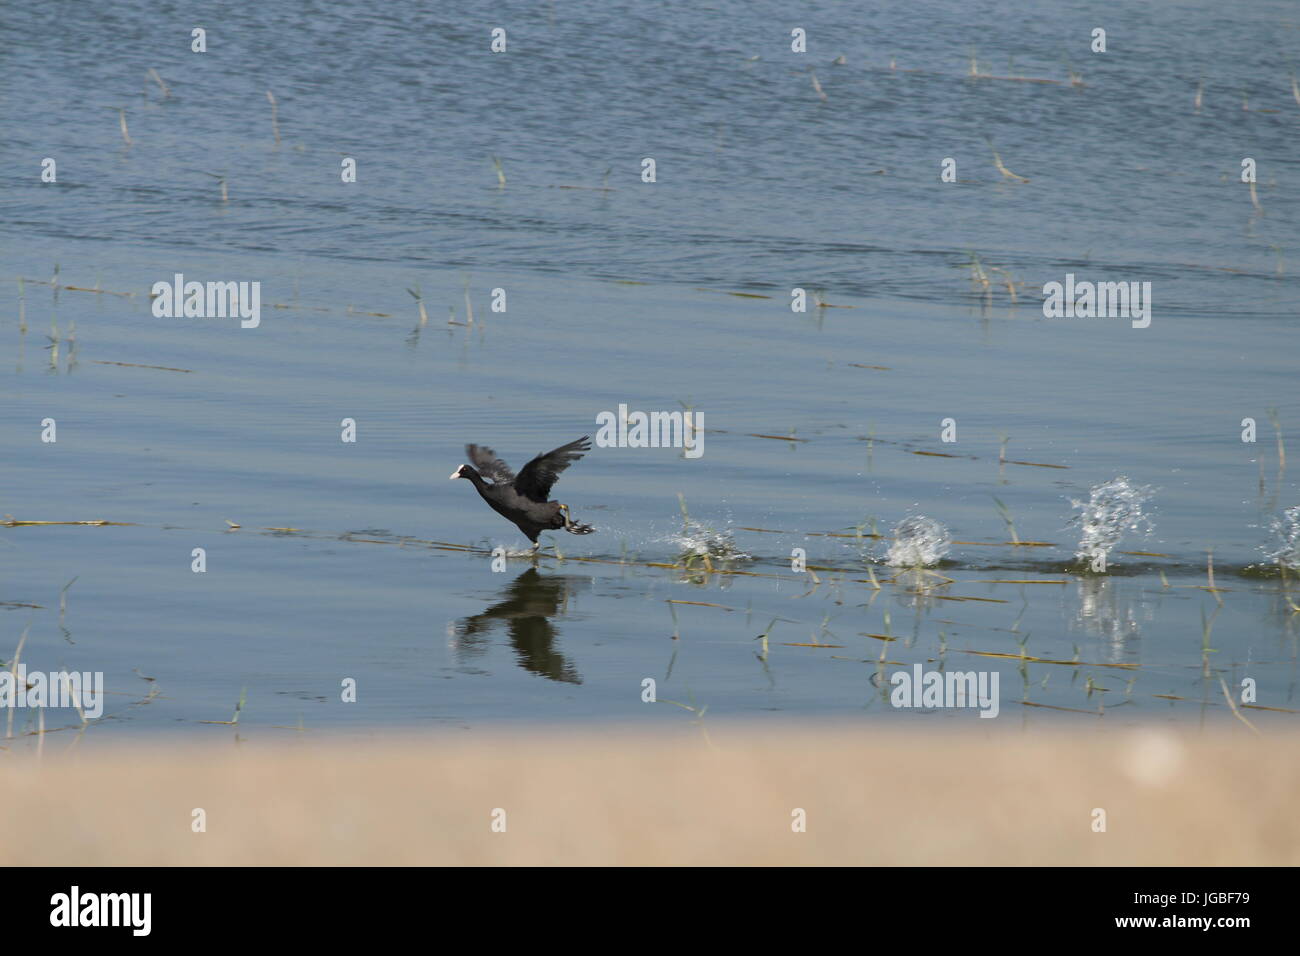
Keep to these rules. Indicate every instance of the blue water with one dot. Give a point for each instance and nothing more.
(620, 291)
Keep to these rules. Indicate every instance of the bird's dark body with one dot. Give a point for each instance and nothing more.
(530, 517)
(523, 499)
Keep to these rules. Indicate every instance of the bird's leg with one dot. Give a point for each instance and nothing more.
(533, 552)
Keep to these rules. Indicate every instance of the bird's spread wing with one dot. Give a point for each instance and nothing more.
(537, 477)
(489, 465)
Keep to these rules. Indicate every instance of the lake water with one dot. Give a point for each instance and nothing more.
(522, 171)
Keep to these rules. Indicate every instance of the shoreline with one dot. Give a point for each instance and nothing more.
(898, 798)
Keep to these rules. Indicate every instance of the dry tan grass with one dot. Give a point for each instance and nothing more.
(871, 797)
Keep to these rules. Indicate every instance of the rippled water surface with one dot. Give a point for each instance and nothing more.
(824, 430)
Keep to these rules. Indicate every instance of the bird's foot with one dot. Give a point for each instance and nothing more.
(571, 526)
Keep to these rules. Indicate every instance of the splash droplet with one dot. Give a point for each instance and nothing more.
(1286, 548)
(1113, 508)
(918, 542)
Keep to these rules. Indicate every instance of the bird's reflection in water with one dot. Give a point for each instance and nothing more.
(526, 606)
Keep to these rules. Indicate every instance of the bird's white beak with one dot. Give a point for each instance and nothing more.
(456, 473)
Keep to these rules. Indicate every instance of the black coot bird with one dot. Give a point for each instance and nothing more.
(523, 498)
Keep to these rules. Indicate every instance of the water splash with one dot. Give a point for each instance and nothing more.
(918, 542)
(704, 543)
(1113, 508)
(698, 541)
(513, 553)
(1286, 529)
(695, 542)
